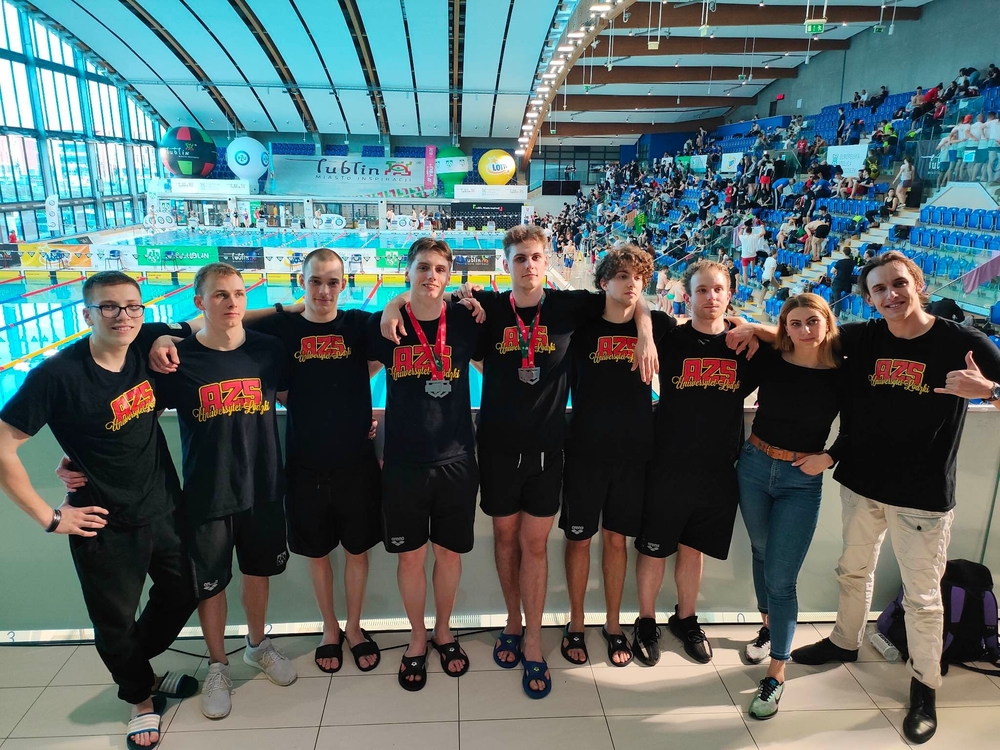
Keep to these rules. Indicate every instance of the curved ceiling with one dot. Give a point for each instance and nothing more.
(637, 66)
(401, 67)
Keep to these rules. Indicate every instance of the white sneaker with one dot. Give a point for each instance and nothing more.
(265, 657)
(759, 649)
(216, 692)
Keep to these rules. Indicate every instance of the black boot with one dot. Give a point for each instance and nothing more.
(921, 720)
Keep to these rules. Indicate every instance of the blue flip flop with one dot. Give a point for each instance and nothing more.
(535, 670)
(510, 644)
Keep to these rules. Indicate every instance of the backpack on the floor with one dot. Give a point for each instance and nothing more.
(970, 618)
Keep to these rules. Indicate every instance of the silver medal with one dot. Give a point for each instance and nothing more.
(437, 388)
(529, 375)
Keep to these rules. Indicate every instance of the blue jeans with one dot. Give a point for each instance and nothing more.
(780, 507)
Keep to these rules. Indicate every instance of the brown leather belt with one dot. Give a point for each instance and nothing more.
(778, 454)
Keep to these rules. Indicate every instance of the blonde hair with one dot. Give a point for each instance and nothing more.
(784, 343)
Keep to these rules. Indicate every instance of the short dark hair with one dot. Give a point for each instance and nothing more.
(322, 254)
(427, 245)
(107, 278)
(893, 256)
(212, 269)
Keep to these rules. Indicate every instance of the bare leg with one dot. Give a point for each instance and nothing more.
(649, 578)
(507, 552)
(534, 576)
(253, 594)
(577, 573)
(687, 577)
(412, 583)
(355, 582)
(447, 574)
(212, 614)
(321, 573)
(614, 563)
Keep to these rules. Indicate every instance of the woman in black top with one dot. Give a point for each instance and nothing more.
(887, 209)
(780, 473)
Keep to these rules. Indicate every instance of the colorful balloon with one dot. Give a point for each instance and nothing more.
(188, 152)
(497, 167)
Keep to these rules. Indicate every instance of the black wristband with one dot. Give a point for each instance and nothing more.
(56, 519)
(278, 307)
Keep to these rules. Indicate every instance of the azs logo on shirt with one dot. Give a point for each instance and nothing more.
(614, 348)
(415, 361)
(708, 372)
(132, 403)
(229, 397)
(511, 342)
(322, 347)
(902, 373)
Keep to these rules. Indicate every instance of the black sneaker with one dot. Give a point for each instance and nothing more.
(823, 652)
(646, 640)
(692, 636)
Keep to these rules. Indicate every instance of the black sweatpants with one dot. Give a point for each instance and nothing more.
(112, 568)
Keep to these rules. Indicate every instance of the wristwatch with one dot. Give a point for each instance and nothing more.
(994, 394)
(278, 307)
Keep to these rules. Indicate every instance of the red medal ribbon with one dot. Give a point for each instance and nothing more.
(437, 353)
(527, 342)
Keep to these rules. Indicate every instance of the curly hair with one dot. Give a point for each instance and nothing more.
(620, 257)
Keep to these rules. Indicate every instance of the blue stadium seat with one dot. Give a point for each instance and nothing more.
(976, 219)
(856, 305)
(962, 217)
(987, 221)
(937, 215)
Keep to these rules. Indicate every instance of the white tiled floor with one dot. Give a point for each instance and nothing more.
(61, 698)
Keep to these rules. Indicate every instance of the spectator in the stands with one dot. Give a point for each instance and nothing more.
(879, 99)
(819, 144)
(978, 133)
(887, 209)
(916, 100)
(993, 137)
(992, 79)
(864, 97)
(843, 279)
(903, 179)
(856, 101)
(854, 132)
(841, 126)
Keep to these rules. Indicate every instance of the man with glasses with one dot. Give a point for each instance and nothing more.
(99, 401)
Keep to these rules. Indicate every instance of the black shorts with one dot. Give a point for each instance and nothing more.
(342, 504)
(596, 489)
(436, 503)
(513, 482)
(257, 535)
(693, 508)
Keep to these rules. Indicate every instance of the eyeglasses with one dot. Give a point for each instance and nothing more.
(113, 311)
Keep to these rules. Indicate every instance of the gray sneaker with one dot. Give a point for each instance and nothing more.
(216, 697)
(265, 657)
(758, 649)
(765, 704)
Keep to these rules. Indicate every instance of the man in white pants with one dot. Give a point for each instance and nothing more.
(909, 376)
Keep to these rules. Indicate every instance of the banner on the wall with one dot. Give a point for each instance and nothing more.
(8, 255)
(170, 256)
(474, 260)
(684, 162)
(849, 158)
(430, 168)
(350, 176)
(243, 258)
(730, 162)
(699, 163)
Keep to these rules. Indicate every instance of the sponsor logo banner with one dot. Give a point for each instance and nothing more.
(849, 158)
(350, 176)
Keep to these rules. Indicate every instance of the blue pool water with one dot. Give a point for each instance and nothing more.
(293, 239)
(44, 320)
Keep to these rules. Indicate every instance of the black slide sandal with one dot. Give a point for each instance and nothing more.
(617, 644)
(331, 651)
(367, 647)
(451, 652)
(413, 666)
(574, 642)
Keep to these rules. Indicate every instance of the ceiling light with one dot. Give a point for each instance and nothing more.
(600, 7)
(576, 35)
(523, 139)
(550, 76)
(649, 93)
(532, 115)
(519, 152)
(677, 62)
(564, 48)
(538, 102)
(543, 89)
(527, 128)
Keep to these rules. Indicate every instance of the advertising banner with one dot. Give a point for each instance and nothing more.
(684, 162)
(114, 257)
(699, 163)
(430, 168)
(170, 256)
(491, 192)
(8, 255)
(195, 186)
(347, 176)
(243, 258)
(475, 260)
(730, 162)
(32, 254)
(849, 158)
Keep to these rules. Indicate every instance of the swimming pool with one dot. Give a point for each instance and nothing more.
(39, 319)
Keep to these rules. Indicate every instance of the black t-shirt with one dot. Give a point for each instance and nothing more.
(420, 429)
(703, 385)
(796, 405)
(606, 392)
(903, 442)
(516, 417)
(106, 423)
(845, 273)
(329, 391)
(229, 429)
